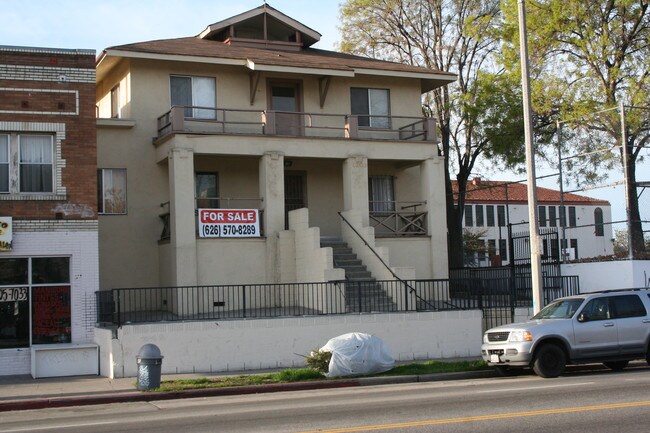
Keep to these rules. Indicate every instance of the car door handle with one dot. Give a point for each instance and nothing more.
(608, 324)
(646, 320)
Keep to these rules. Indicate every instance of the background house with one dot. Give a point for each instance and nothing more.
(48, 212)
(582, 223)
(247, 116)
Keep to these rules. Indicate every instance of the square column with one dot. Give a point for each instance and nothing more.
(272, 193)
(182, 217)
(432, 187)
(355, 187)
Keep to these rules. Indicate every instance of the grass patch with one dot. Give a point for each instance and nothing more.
(284, 376)
(308, 374)
(431, 367)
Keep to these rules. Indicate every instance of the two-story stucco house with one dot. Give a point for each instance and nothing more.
(227, 157)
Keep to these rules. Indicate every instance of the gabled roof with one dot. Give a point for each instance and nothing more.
(493, 192)
(270, 58)
(309, 36)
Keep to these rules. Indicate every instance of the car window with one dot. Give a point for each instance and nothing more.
(597, 309)
(562, 309)
(628, 306)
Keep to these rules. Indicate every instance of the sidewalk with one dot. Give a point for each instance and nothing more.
(24, 392)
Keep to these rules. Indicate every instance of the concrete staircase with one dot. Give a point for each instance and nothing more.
(362, 292)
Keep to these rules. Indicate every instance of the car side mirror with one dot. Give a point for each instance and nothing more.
(583, 318)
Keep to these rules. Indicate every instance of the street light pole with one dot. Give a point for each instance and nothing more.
(533, 226)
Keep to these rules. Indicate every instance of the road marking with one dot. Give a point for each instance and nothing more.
(51, 427)
(571, 385)
(483, 417)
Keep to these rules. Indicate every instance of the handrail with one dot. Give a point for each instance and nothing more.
(408, 286)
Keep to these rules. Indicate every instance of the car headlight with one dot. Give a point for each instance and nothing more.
(485, 338)
(521, 336)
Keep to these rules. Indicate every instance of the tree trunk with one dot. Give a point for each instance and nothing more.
(636, 228)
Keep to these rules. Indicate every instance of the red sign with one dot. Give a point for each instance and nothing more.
(228, 216)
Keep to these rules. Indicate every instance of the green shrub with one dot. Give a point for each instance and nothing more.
(319, 361)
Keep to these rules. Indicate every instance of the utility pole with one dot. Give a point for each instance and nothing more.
(533, 226)
(628, 189)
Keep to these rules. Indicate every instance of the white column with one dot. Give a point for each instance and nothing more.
(272, 193)
(432, 186)
(355, 186)
(182, 218)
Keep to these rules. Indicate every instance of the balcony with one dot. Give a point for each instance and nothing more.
(213, 121)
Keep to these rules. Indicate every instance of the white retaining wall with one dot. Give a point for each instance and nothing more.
(597, 276)
(212, 346)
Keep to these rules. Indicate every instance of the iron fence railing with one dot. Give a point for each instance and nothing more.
(117, 307)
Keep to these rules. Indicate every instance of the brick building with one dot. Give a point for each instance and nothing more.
(48, 209)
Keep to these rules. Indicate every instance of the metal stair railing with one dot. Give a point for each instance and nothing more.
(410, 288)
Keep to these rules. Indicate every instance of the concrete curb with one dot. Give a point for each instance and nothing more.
(86, 400)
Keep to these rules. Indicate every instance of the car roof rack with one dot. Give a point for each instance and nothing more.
(633, 289)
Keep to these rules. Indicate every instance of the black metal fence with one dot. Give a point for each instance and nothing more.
(117, 307)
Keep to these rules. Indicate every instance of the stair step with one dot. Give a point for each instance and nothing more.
(347, 262)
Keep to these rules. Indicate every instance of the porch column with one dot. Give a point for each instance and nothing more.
(182, 219)
(355, 186)
(432, 187)
(272, 193)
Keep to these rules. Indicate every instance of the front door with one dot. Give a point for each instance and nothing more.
(285, 100)
(295, 196)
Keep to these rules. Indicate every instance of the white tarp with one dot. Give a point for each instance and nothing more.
(357, 354)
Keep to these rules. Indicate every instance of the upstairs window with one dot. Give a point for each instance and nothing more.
(501, 215)
(196, 94)
(489, 210)
(372, 106)
(552, 216)
(469, 217)
(542, 216)
(111, 191)
(36, 163)
(115, 102)
(572, 216)
(479, 215)
(598, 220)
(4, 163)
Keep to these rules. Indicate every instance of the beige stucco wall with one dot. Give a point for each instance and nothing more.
(231, 261)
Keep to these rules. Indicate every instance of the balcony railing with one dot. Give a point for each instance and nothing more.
(205, 120)
(395, 219)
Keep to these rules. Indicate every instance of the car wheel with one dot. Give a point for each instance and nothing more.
(616, 365)
(505, 370)
(549, 361)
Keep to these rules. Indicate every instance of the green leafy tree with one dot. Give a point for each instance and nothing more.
(478, 115)
(588, 57)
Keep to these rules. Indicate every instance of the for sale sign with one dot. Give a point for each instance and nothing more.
(229, 223)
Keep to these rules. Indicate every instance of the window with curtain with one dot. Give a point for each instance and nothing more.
(372, 106)
(381, 194)
(4, 163)
(196, 94)
(36, 163)
(111, 191)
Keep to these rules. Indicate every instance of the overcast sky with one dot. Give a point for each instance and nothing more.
(98, 24)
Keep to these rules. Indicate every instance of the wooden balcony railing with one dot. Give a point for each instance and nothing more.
(205, 120)
(397, 219)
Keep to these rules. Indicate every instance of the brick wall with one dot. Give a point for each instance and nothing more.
(53, 87)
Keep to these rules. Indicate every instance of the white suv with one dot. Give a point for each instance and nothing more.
(612, 327)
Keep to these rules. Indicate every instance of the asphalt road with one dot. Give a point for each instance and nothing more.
(603, 401)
